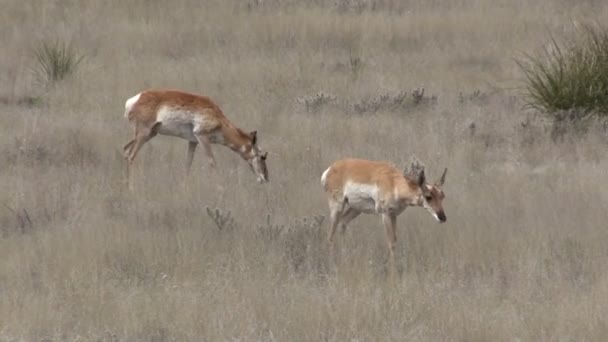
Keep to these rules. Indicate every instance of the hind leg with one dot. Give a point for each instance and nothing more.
(336, 210)
(348, 215)
(390, 225)
(127, 148)
(142, 135)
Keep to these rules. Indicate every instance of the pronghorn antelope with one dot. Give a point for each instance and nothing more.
(191, 117)
(356, 186)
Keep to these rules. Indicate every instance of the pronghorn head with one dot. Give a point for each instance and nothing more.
(431, 196)
(257, 159)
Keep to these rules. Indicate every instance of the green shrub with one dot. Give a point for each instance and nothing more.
(55, 61)
(570, 76)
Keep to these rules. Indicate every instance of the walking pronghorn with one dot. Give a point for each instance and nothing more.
(191, 117)
(356, 186)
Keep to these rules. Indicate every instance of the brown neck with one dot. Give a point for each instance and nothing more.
(408, 190)
(236, 139)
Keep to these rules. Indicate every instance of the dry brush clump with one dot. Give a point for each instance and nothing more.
(67, 147)
(300, 243)
(393, 102)
(387, 102)
(222, 219)
(314, 103)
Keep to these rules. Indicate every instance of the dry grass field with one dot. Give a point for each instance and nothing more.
(522, 256)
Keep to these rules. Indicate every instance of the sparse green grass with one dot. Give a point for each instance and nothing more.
(55, 61)
(570, 76)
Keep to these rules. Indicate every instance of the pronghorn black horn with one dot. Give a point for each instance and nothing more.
(254, 137)
(442, 179)
(421, 178)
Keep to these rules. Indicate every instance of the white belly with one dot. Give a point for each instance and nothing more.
(177, 123)
(361, 197)
(183, 131)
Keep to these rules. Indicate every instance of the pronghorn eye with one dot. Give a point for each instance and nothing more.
(428, 198)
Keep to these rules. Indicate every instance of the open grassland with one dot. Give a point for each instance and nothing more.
(522, 256)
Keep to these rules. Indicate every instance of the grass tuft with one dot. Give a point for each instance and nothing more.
(55, 61)
(570, 76)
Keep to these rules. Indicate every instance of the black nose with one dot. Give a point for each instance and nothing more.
(441, 216)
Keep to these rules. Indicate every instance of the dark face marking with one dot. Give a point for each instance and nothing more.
(257, 162)
(433, 197)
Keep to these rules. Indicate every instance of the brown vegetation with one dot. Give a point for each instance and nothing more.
(522, 256)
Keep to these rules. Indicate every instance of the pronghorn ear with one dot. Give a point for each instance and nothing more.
(442, 179)
(254, 137)
(421, 178)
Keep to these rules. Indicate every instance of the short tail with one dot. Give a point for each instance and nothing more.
(324, 178)
(130, 104)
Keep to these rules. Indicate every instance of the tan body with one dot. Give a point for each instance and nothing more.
(194, 118)
(356, 186)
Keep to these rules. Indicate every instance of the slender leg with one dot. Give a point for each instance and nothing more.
(126, 152)
(210, 156)
(141, 138)
(203, 140)
(390, 223)
(191, 148)
(137, 143)
(127, 148)
(336, 209)
(349, 215)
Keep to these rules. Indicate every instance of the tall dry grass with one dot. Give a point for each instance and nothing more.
(521, 257)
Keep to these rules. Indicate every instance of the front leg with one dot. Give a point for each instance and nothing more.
(336, 210)
(191, 148)
(348, 215)
(127, 148)
(204, 140)
(390, 225)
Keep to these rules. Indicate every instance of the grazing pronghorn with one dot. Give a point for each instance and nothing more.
(191, 117)
(356, 186)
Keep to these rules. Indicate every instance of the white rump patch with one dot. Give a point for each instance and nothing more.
(130, 103)
(324, 176)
